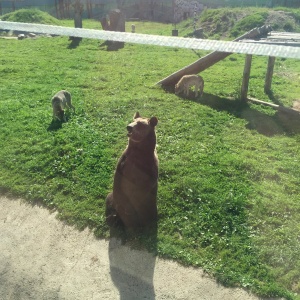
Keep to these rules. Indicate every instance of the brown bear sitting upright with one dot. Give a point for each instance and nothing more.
(133, 200)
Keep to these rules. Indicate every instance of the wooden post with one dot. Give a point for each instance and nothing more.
(269, 75)
(246, 76)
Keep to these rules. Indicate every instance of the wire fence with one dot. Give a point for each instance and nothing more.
(166, 41)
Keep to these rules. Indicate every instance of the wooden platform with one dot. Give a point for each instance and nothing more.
(277, 38)
(260, 35)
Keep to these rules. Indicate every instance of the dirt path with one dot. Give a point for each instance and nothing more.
(41, 258)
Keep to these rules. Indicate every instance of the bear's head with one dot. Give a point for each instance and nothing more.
(60, 114)
(141, 128)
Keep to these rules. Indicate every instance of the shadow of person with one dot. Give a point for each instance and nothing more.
(131, 265)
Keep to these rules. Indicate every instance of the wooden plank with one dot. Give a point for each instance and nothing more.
(275, 106)
(256, 101)
(282, 33)
(275, 42)
(246, 77)
(269, 74)
(210, 59)
(284, 37)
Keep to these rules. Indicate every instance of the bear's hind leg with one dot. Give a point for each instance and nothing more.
(112, 218)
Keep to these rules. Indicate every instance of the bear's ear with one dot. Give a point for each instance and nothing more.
(153, 121)
(136, 115)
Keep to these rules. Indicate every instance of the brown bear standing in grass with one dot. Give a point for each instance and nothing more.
(133, 200)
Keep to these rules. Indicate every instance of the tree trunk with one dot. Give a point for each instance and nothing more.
(56, 9)
(61, 8)
(67, 6)
(78, 10)
(88, 8)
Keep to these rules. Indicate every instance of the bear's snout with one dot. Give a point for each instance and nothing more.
(129, 128)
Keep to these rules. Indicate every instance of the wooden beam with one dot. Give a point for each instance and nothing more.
(269, 75)
(256, 101)
(246, 77)
(210, 59)
(275, 106)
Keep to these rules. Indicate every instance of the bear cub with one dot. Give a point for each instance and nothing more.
(132, 202)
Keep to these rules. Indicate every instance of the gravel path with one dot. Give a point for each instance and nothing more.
(41, 258)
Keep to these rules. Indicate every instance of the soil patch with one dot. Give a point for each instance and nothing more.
(42, 258)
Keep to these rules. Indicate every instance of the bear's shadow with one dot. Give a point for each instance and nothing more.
(131, 265)
(56, 124)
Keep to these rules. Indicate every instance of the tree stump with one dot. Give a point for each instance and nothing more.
(115, 22)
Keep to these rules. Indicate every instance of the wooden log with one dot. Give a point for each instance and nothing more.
(117, 20)
(269, 75)
(256, 101)
(278, 42)
(246, 77)
(275, 106)
(210, 59)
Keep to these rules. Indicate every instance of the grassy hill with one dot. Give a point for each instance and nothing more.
(30, 16)
(228, 196)
(228, 23)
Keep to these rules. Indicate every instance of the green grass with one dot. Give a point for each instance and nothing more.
(228, 196)
(248, 23)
